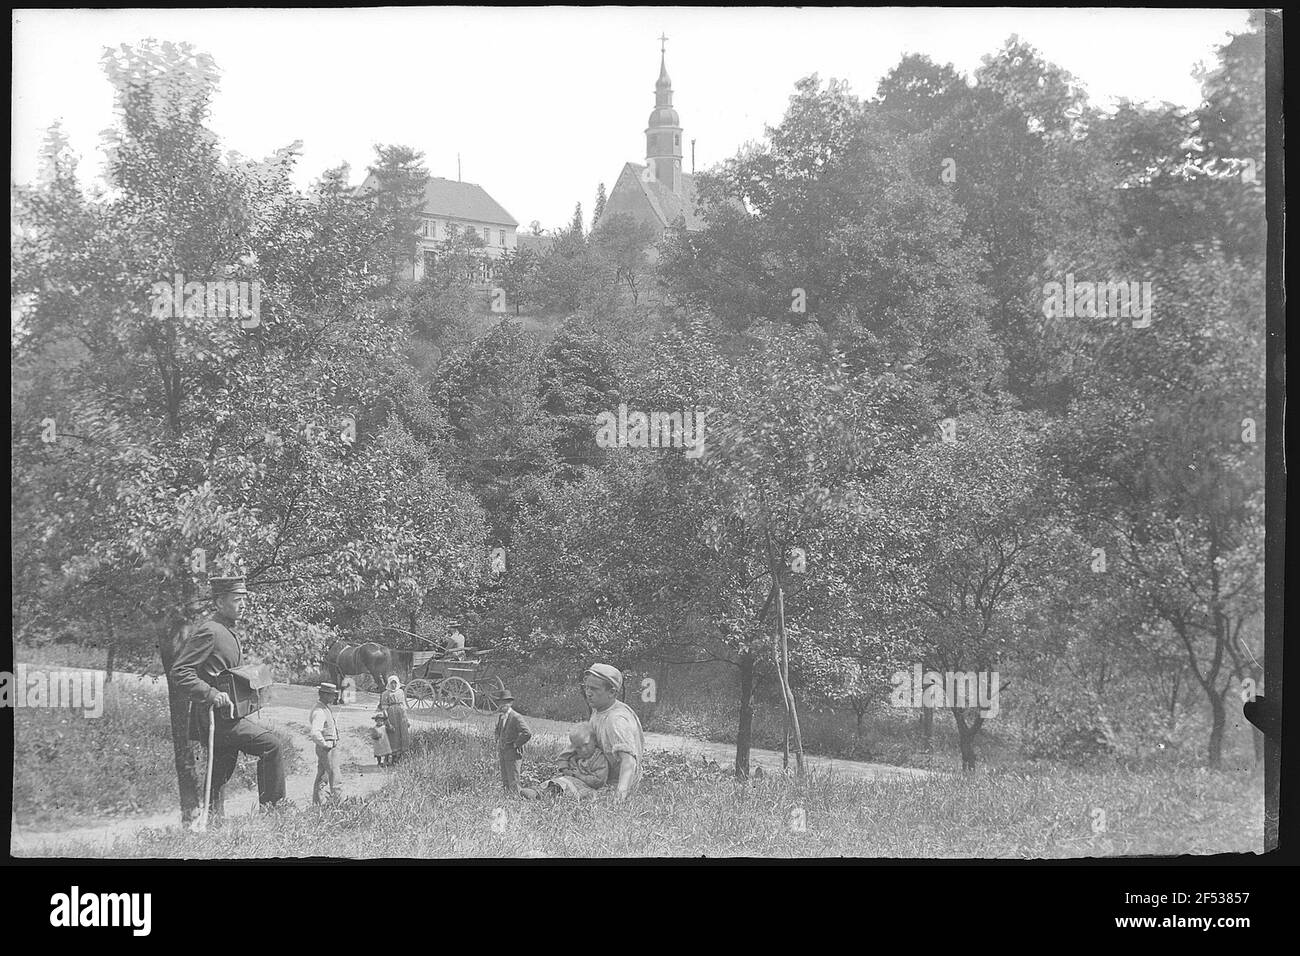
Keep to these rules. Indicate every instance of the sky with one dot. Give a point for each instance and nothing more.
(543, 103)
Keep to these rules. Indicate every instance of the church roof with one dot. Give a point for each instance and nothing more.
(452, 199)
(667, 204)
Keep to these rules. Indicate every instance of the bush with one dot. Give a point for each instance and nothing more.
(1067, 723)
(69, 768)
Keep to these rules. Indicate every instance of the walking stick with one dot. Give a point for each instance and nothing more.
(207, 781)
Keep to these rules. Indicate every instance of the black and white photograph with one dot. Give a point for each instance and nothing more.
(616, 433)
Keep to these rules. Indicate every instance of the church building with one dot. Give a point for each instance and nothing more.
(658, 192)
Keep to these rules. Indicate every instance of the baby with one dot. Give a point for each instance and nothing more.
(583, 769)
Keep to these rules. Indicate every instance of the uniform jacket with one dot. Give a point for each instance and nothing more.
(211, 648)
(512, 731)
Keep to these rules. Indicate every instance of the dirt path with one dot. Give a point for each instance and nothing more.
(290, 710)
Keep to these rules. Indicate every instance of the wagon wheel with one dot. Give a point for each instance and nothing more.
(487, 690)
(420, 694)
(455, 695)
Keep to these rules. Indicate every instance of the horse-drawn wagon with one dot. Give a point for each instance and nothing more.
(451, 682)
(448, 678)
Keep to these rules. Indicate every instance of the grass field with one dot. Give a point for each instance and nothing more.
(70, 769)
(446, 802)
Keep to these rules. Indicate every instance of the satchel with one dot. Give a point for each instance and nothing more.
(248, 687)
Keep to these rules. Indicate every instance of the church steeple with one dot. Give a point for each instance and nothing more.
(663, 135)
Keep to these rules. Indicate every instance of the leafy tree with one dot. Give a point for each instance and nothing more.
(973, 527)
(624, 243)
(193, 437)
(1166, 446)
(517, 275)
(400, 182)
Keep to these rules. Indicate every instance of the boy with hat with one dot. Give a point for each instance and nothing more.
(325, 735)
(211, 649)
(511, 734)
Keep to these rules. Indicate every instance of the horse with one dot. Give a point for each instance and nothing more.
(344, 658)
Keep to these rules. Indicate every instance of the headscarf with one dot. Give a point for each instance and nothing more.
(394, 683)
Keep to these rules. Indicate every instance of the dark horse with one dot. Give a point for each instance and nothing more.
(344, 658)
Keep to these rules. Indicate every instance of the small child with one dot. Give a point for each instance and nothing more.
(583, 768)
(379, 734)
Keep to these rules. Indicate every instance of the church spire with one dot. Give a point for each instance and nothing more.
(663, 83)
(663, 135)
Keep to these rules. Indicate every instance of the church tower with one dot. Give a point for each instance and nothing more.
(663, 135)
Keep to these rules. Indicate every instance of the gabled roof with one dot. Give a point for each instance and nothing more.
(667, 204)
(540, 245)
(451, 199)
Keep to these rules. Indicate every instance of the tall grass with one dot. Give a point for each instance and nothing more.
(446, 801)
(70, 769)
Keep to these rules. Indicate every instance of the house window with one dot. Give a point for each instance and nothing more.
(677, 139)
(487, 234)
(501, 237)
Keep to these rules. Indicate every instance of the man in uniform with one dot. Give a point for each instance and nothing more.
(210, 649)
(325, 735)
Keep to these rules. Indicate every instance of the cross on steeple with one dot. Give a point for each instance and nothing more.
(662, 41)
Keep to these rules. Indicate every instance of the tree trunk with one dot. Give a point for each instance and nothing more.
(108, 661)
(966, 736)
(745, 729)
(927, 727)
(785, 676)
(1220, 717)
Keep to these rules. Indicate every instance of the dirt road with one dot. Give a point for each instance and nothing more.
(289, 710)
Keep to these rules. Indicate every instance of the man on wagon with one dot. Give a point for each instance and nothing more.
(454, 642)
